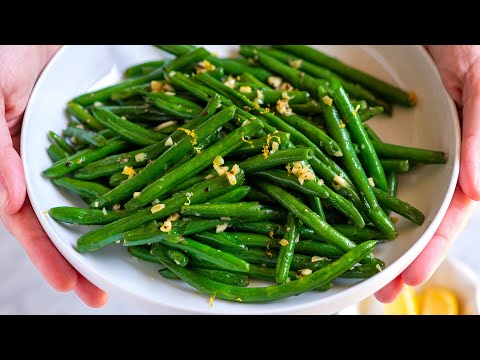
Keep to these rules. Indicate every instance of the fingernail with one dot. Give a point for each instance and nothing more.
(3, 195)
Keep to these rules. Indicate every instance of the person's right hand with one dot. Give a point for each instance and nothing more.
(459, 68)
(20, 67)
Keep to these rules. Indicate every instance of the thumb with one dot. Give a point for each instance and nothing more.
(12, 177)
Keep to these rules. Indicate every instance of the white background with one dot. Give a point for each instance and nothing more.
(23, 290)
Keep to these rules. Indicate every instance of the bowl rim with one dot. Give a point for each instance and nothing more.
(362, 289)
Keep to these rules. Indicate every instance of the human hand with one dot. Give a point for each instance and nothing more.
(459, 68)
(20, 67)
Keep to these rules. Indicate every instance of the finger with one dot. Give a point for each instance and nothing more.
(470, 156)
(431, 257)
(390, 292)
(25, 227)
(12, 178)
(89, 293)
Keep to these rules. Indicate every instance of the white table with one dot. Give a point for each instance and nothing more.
(23, 290)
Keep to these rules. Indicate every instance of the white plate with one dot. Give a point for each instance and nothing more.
(432, 124)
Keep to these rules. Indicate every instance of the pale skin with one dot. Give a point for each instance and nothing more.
(20, 67)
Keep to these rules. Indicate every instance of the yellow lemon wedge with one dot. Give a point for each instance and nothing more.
(438, 301)
(405, 304)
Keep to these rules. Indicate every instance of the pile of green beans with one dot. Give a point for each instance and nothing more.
(199, 164)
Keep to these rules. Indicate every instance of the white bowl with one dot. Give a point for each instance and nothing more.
(432, 124)
(451, 274)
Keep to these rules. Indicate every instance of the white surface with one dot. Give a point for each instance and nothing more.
(431, 124)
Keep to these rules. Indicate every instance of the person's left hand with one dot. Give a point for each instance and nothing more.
(459, 67)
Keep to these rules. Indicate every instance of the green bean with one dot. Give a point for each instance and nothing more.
(174, 105)
(249, 78)
(83, 158)
(143, 68)
(269, 259)
(194, 165)
(370, 113)
(276, 292)
(116, 163)
(269, 118)
(359, 135)
(279, 157)
(363, 271)
(82, 115)
(177, 50)
(219, 241)
(126, 129)
(142, 232)
(417, 155)
(351, 232)
(371, 134)
(350, 160)
(80, 216)
(177, 257)
(400, 207)
(143, 253)
(85, 136)
(317, 136)
(105, 93)
(272, 97)
(256, 146)
(316, 205)
(118, 178)
(370, 204)
(187, 59)
(113, 232)
(84, 188)
(222, 276)
(324, 231)
(257, 195)
(387, 91)
(395, 165)
(131, 91)
(252, 211)
(354, 90)
(167, 274)
(297, 78)
(189, 226)
(205, 125)
(392, 180)
(60, 141)
(131, 110)
(311, 107)
(204, 252)
(285, 255)
(56, 153)
(314, 188)
(233, 196)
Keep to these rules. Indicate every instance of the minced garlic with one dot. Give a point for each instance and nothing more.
(174, 217)
(371, 182)
(283, 242)
(167, 226)
(140, 157)
(245, 89)
(157, 208)
(165, 124)
(340, 181)
(221, 170)
(169, 141)
(204, 67)
(295, 63)
(283, 107)
(231, 174)
(129, 171)
(327, 100)
(230, 82)
(274, 81)
(136, 194)
(156, 86)
(317, 258)
(221, 228)
(190, 133)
